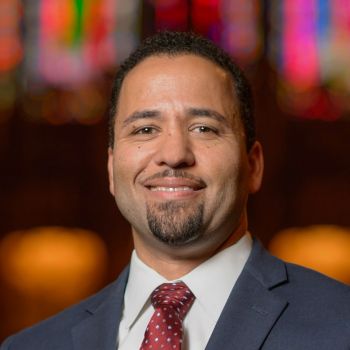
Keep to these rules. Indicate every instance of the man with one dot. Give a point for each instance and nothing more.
(182, 161)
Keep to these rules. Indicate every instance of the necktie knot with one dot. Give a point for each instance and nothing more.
(171, 302)
(176, 296)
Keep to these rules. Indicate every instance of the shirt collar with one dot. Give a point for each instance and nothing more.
(212, 281)
(141, 283)
(222, 270)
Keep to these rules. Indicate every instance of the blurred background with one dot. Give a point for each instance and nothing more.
(61, 236)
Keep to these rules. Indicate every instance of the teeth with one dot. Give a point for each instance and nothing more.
(171, 189)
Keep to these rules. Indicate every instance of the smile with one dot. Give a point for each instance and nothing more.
(171, 189)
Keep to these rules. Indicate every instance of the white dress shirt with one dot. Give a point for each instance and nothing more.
(211, 283)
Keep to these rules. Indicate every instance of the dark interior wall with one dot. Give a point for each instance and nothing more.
(56, 175)
(307, 166)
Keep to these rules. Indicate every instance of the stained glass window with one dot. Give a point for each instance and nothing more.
(72, 41)
(310, 46)
(11, 53)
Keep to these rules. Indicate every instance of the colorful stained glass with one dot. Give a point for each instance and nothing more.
(73, 41)
(310, 46)
(171, 14)
(206, 18)
(69, 46)
(127, 29)
(241, 33)
(11, 53)
(10, 39)
(300, 57)
(232, 24)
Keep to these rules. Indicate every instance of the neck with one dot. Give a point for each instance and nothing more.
(174, 266)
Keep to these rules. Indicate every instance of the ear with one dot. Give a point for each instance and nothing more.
(256, 167)
(110, 170)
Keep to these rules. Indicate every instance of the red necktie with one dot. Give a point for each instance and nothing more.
(171, 302)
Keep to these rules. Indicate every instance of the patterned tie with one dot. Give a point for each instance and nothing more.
(171, 302)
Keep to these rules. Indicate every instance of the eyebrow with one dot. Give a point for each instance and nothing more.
(206, 112)
(141, 115)
(193, 112)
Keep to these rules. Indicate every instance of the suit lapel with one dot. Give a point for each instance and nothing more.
(99, 329)
(252, 308)
(248, 316)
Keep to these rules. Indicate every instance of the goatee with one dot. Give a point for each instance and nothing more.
(171, 223)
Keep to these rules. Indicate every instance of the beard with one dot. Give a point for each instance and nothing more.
(170, 223)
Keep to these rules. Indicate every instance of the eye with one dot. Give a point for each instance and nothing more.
(204, 129)
(145, 130)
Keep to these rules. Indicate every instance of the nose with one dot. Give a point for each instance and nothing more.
(175, 150)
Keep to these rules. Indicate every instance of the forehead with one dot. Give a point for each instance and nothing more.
(188, 78)
(178, 65)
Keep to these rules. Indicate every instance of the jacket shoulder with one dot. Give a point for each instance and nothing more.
(314, 286)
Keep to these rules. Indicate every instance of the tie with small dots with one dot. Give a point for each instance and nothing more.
(171, 302)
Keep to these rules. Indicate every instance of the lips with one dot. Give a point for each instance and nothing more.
(174, 184)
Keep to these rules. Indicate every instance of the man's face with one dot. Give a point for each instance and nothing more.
(179, 170)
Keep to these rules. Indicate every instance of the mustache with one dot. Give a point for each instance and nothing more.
(176, 173)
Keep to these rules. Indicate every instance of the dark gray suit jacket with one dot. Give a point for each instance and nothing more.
(273, 306)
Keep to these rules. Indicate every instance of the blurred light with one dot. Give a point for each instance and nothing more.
(75, 39)
(300, 61)
(232, 24)
(11, 50)
(310, 47)
(85, 105)
(72, 42)
(70, 45)
(49, 268)
(171, 14)
(241, 32)
(126, 34)
(11, 54)
(323, 248)
(206, 18)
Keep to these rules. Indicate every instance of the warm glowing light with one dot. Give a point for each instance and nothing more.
(61, 265)
(46, 269)
(322, 248)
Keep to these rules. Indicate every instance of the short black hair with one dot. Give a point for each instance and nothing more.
(178, 43)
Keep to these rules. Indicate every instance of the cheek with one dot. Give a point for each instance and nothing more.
(128, 163)
(222, 164)
(228, 175)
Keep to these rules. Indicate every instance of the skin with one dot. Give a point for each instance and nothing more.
(181, 114)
